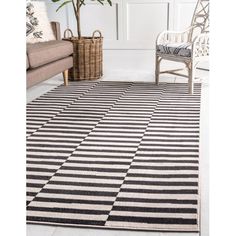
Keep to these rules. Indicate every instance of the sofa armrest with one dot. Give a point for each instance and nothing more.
(56, 29)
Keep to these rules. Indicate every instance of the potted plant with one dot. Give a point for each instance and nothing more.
(87, 56)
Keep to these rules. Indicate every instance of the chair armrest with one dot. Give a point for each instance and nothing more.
(200, 45)
(56, 29)
(169, 36)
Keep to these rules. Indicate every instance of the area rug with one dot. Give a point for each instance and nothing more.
(118, 155)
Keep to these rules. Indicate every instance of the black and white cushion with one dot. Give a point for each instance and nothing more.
(178, 49)
(38, 27)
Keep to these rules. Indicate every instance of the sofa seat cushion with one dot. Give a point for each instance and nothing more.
(37, 75)
(40, 54)
(178, 49)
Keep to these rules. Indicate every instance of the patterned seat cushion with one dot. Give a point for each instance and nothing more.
(178, 49)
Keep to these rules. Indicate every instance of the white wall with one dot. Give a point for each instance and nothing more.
(128, 24)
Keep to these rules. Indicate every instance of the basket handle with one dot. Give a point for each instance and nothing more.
(70, 31)
(96, 31)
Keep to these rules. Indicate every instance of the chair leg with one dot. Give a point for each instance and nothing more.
(157, 72)
(65, 76)
(191, 73)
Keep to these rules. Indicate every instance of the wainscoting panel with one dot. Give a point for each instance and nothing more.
(184, 12)
(94, 16)
(144, 20)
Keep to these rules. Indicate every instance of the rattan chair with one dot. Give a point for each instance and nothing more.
(189, 47)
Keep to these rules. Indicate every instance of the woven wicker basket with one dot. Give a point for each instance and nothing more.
(87, 56)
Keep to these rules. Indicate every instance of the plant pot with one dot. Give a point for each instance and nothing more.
(87, 56)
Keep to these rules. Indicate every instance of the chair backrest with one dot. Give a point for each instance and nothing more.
(200, 20)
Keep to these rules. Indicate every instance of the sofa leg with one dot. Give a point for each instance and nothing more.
(65, 76)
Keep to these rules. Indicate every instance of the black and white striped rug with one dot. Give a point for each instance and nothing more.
(114, 155)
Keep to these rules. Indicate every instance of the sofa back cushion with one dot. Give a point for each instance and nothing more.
(38, 27)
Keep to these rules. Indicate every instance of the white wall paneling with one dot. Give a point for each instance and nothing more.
(103, 18)
(128, 24)
(144, 19)
(94, 16)
(184, 10)
(108, 19)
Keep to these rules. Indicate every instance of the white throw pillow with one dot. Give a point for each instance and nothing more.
(38, 27)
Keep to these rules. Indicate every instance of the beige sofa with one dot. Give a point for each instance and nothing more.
(47, 59)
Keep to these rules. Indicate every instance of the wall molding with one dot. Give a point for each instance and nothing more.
(121, 25)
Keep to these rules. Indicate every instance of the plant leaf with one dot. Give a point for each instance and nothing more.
(63, 4)
(100, 1)
(82, 2)
(110, 2)
(55, 0)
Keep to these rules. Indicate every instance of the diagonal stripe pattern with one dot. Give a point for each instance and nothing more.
(114, 155)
